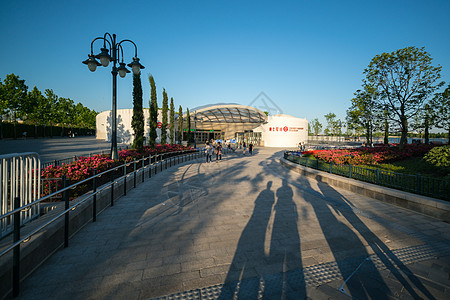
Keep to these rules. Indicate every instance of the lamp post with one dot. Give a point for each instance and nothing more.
(115, 48)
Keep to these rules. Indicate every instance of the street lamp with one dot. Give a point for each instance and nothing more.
(115, 48)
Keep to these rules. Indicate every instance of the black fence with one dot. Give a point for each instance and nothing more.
(417, 184)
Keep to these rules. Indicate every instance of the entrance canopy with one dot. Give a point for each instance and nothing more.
(228, 113)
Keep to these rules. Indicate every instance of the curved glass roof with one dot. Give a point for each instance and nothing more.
(228, 113)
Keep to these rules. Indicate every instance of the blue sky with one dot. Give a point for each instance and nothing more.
(307, 56)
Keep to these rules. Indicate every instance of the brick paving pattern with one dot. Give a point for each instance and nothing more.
(247, 228)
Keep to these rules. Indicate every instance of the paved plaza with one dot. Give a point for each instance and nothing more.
(248, 228)
(56, 148)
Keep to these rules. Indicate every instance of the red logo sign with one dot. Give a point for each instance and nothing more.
(285, 128)
(159, 125)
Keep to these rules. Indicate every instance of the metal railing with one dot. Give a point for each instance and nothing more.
(19, 177)
(417, 184)
(105, 180)
(69, 160)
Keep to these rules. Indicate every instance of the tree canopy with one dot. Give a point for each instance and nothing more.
(404, 80)
(33, 107)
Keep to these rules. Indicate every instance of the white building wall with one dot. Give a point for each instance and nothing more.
(283, 131)
(125, 133)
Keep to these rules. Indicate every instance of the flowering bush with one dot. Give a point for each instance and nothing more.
(370, 156)
(83, 167)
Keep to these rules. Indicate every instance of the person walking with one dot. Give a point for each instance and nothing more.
(244, 146)
(250, 148)
(208, 151)
(218, 152)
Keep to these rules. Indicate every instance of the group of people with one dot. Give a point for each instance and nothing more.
(216, 148)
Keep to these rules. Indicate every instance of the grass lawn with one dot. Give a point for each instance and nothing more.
(415, 165)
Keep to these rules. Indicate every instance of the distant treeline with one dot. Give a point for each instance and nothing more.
(20, 130)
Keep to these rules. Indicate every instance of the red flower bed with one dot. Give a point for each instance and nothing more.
(370, 156)
(83, 167)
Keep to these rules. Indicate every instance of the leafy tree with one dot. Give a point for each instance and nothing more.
(172, 121)
(153, 112)
(332, 124)
(362, 112)
(37, 106)
(404, 80)
(51, 116)
(180, 125)
(165, 108)
(316, 126)
(84, 117)
(423, 121)
(137, 121)
(441, 102)
(14, 96)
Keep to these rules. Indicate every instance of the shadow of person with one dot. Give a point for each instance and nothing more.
(242, 280)
(285, 252)
(359, 286)
(347, 248)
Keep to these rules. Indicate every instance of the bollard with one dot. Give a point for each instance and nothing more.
(66, 215)
(16, 252)
(94, 203)
(150, 164)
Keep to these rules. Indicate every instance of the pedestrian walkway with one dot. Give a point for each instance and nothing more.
(247, 228)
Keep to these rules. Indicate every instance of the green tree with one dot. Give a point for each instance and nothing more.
(331, 124)
(172, 121)
(14, 94)
(316, 126)
(188, 127)
(441, 102)
(51, 117)
(164, 111)
(362, 112)
(153, 112)
(404, 80)
(180, 125)
(137, 121)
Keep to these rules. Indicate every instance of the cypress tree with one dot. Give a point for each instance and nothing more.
(153, 112)
(165, 108)
(137, 121)
(188, 127)
(180, 125)
(172, 121)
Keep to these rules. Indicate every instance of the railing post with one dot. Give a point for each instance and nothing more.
(162, 162)
(156, 164)
(134, 173)
(350, 171)
(112, 187)
(418, 185)
(378, 176)
(143, 169)
(66, 215)
(16, 252)
(94, 202)
(125, 179)
(150, 164)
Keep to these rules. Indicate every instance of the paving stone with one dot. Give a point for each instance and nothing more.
(213, 238)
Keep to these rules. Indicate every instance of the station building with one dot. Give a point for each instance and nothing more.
(223, 121)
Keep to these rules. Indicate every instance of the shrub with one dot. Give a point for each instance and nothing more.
(439, 156)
